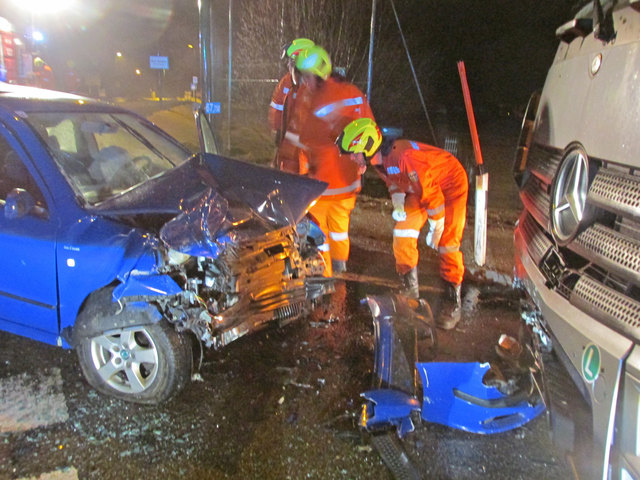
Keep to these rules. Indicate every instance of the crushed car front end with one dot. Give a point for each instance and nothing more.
(241, 253)
(251, 282)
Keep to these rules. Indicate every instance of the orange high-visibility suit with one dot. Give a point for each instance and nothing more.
(44, 77)
(281, 111)
(322, 114)
(436, 185)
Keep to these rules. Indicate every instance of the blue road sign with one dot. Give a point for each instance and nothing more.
(212, 108)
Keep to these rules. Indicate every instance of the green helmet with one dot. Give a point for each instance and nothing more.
(291, 50)
(314, 60)
(360, 136)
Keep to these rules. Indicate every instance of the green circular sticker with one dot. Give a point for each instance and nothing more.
(591, 363)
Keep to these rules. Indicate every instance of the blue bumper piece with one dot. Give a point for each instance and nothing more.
(455, 395)
(390, 408)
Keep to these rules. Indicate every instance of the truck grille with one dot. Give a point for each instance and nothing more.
(614, 308)
(601, 265)
(617, 192)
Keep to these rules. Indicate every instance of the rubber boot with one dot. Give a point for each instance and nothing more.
(338, 266)
(410, 283)
(450, 307)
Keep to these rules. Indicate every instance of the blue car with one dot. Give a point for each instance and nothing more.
(120, 243)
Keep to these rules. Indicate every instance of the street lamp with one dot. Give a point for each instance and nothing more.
(44, 6)
(37, 36)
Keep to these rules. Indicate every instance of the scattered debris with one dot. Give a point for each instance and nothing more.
(508, 347)
(296, 384)
(319, 324)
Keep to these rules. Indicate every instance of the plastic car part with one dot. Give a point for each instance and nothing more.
(454, 394)
(404, 329)
(390, 407)
(457, 396)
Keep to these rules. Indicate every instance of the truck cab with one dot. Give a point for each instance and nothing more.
(577, 240)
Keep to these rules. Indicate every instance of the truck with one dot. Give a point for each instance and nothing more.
(12, 55)
(577, 240)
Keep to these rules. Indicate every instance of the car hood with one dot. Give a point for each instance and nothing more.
(216, 199)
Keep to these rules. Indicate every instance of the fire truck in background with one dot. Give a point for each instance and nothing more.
(15, 61)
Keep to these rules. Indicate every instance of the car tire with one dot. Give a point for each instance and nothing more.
(143, 363)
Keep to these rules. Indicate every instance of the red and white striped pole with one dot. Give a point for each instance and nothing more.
(482, 176)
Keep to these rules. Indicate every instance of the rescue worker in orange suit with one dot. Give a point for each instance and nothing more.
(43, 74)
(326, 104)
(282, 106)
(427, 185)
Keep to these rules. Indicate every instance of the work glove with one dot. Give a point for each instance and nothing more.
(397, 200)
(436, 227)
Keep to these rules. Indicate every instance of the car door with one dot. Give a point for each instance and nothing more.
(28, 290)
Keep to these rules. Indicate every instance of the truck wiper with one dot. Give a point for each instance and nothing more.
(603, 23)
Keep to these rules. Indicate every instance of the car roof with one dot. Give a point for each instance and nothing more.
(32, 99)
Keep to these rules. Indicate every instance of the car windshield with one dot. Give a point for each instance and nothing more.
(106, 154)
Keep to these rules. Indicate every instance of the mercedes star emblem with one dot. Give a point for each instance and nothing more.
(569, 196)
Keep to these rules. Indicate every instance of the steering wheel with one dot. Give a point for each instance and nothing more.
(142, 163)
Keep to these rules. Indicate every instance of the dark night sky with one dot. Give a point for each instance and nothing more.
(507, 46)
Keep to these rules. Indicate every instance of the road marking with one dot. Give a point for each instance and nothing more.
(28, 401)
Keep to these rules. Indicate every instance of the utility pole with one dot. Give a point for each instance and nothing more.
(206, 52)
(371, 37)
(211, 65)
(229, 71)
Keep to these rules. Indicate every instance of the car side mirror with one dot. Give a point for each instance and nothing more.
(19, 203)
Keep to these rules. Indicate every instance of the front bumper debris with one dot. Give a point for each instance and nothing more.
(475, 397)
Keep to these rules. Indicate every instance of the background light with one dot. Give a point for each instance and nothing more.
(5, 25)
(44, 6)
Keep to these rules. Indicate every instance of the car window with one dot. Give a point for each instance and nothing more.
(105, 154)
(14, 174)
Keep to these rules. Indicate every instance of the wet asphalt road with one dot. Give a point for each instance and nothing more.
(281, 404)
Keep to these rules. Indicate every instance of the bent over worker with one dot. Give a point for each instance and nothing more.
(326, 104)
(282, 106)
(427, 185)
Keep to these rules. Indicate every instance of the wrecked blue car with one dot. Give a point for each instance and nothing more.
(409, 387)
(119, 242)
